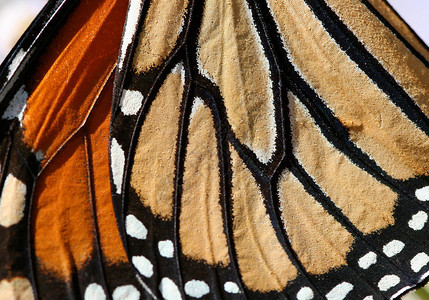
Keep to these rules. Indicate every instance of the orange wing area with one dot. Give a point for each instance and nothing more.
(67, 119)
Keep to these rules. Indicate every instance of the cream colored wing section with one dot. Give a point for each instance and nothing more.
(384, 9)
(159, 34)
(231, 53)
(153, 171)
(407, 69)
(320, 242)
(382, 131)
(368, 203)
(202, 235)
(263, 263)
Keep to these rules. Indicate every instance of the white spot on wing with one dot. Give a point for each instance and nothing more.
(231, 287)
(368, 298)
(340, 291)
(39, 155)
(15, 63)
(126, 292)
(367, 260)
(16, 106)
(166, 248)
(418, 220)
(130, 28)
(179, 69)
(423, 193)
(393, 247)
(94, 292)
(12, 201)
(419, 261)
(198, 102)
(305, 293)
(135, 228)
(118, 164)
(387, 282)
(143, 265)
(131, 101)
(169, 289)
(196, 288)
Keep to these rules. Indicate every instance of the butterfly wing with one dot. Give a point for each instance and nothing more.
(58, 227)
(277, 149)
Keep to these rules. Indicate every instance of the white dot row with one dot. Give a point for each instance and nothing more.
(193, 288)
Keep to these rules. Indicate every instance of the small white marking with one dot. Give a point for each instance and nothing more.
(419, 261)
(423, 193)
(400, 292)
(340, 291)
(169, 289)
(126, 292)
(12, 201)
(393, 247)
(144, 285)
(418, 220)
(131, 102)
(135, 228)
(367, 260)
(305, 293)
(231, 287)
(39, 155)
(198, 102)
(16, 106)
(166, 248)
(196, 288)
(143, 265)
(368, 298)
(15, 63)
(130, 29)
(179, 69)
(387, 282)
(118, 164)
(94, 291)
(424, 276)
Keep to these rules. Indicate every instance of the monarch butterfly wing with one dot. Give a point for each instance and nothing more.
(59, 233)
(277, 149)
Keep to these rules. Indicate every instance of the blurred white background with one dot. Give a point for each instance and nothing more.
(15, 16)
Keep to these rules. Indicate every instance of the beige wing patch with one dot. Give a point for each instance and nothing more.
(231, 53)
(159, 34)
(202, 235)
(368, 203)
(153, 171)
(407, 69)
(320, 242)
(263, 263)
(349, 93)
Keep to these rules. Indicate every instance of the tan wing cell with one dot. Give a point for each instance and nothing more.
(159, 34)
(202, 235)
(407, 69)
(263, 263)
(152, 174)
(368, 203)
(320, 242)
(375, 124)
(231, 53)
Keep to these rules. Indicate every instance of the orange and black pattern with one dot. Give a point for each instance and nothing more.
(223, 150)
